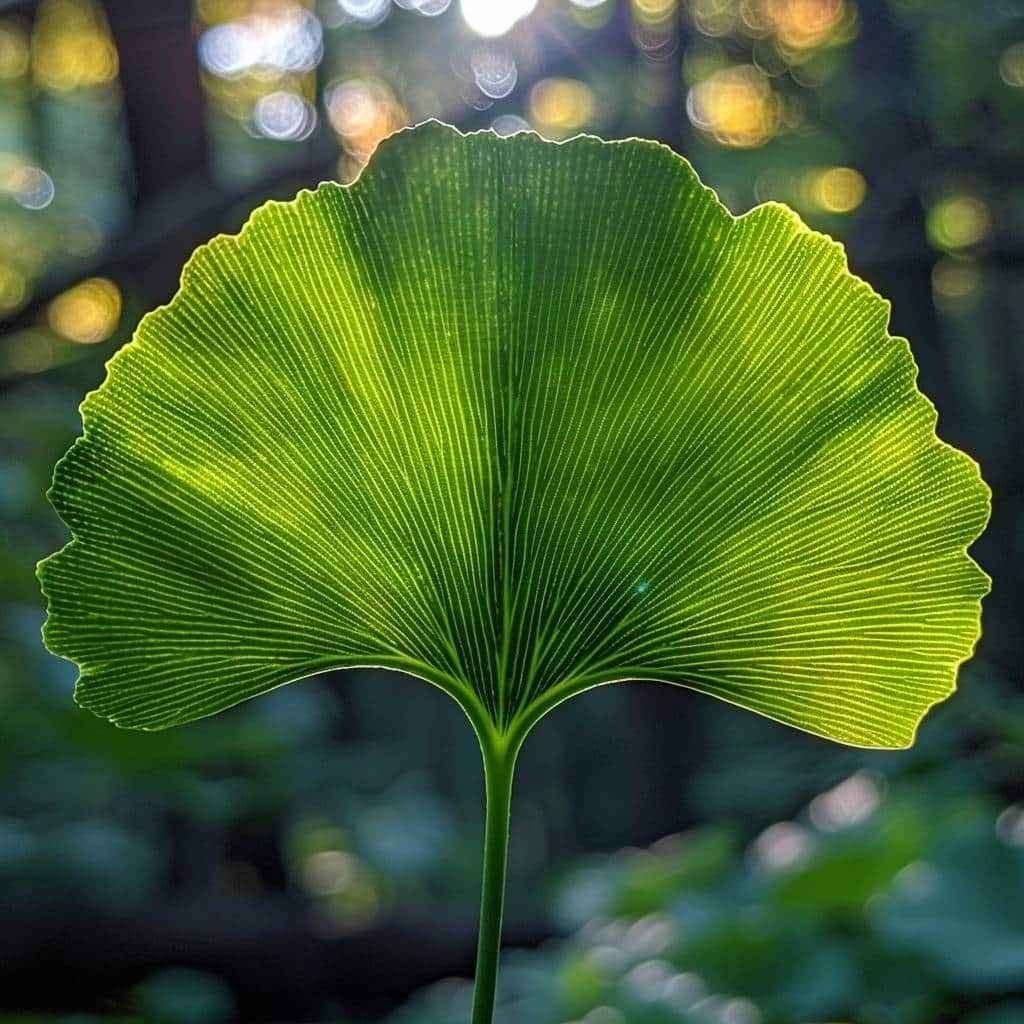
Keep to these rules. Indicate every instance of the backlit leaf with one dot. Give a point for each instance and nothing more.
(521, 419)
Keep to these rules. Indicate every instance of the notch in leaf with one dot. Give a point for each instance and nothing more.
(519, 419)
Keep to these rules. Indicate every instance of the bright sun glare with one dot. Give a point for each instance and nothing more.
(495, 17)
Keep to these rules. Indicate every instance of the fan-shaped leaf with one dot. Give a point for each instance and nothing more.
(519, 418)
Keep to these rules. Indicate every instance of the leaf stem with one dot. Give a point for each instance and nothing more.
(499, 768)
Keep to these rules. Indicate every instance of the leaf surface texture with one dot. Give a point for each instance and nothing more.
(519, 418)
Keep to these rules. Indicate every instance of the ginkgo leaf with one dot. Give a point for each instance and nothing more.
(520, 419)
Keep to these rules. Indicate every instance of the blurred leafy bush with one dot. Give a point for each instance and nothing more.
(895, 897)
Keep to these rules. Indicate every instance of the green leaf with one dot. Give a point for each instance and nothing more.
(521, 419)
(962, 908)
(850, 866)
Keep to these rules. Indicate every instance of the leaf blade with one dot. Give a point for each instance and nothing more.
(530, 437)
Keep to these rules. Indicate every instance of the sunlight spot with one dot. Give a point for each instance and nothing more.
(428, 8)
(71, 47)
(649, 979)
(363, 111)
(13, 288)
(958, 222)
(284, 116)
(493, 18)
(956, 283)
(1010, 825)
(801, 24)
(509, 124)
(29, 186)
(348, 890)
(35, 190)
(649, 936)
(328, 871)
(736, 106)
(88, 313)
(851, 802)
(494, 71)
(783, 846)
(13, 51)
(606, 957)
(713, 17)
(290, 39)
(561, 106)
(836, 189)
(366, 12)
(654, 12)
(683, 990)
(1011, 66)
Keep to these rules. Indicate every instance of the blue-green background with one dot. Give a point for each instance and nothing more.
(313, 856)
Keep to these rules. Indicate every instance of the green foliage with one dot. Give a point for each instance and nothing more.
(520, 419)
(964, 909)
(917, 943)
(184, 996)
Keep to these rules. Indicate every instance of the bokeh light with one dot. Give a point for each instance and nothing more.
(494, 18)
(851, 802)
(339, 879)
(260, 61)
(835, 189)
(23, 247)
(494, 71)
(509, 124)
(362, 111)
(30, 351)
(655, 27)
(71, 46)
(802, 24)
(32, 188)
(560, 107)
(958, 222)
(785, 101)
(702, 59)
(956, 284)
(82, 235)
(286, 39)
(1010, 825)
(714, 17)
(13, 288)
(655, 12)
(782, 846)
(329, 871)
(14, 51)
(592, 14)
(736, 107)
(88, 313)
(28, 185)
(1011, 65)
(428, 8)
(284, 116)
(366, 12)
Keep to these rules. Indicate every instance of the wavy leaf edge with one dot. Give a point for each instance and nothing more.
(510, 739)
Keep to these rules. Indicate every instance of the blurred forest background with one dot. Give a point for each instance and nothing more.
(314, 855)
